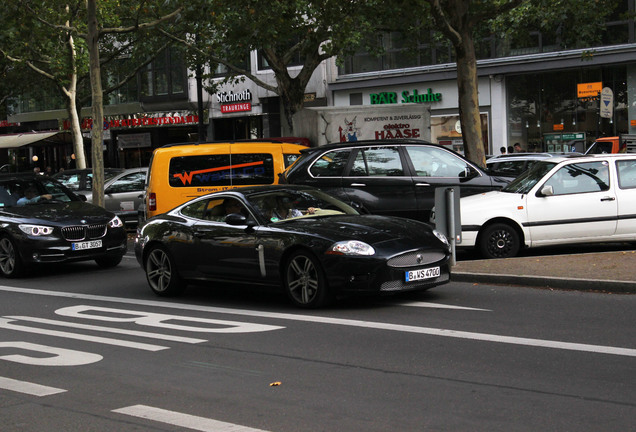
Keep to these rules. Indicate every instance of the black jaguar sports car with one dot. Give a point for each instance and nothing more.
(41, 221)
(297, 237)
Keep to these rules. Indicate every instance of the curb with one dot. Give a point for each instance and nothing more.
(609, 286)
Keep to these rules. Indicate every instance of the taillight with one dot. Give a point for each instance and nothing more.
(152, 202)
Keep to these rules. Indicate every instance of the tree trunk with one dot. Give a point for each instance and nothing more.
(468, 90)
(76, 132)
(97, 103)
(71, 94)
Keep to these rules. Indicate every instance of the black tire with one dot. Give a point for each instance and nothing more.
(108, 261)
(305, 282)
(499, 240)
(11, 264)
(162, 274)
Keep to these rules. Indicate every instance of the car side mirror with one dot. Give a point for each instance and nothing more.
(546, 190)
(236, 219)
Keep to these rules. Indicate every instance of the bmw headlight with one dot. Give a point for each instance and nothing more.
(351, 247)
(115, 223)
(442, 237)
(36, 230)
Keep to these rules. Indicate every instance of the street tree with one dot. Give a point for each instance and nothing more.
(572, 23)
(33, 36)
(143, 17)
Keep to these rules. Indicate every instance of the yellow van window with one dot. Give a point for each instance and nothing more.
(221, 170)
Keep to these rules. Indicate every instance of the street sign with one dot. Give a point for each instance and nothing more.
(607, 103)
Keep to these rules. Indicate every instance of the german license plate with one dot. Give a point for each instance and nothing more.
(428, 273)
(94, 244)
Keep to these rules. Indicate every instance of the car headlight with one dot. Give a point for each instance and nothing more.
(442, 237)
(115, 223)
(351, 247)
(36, 230)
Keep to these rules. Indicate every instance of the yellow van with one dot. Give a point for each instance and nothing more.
(180, 172)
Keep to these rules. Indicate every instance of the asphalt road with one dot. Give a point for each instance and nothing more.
(83, 349)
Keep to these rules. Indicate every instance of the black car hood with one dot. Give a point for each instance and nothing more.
(372, 229)
(56, 212)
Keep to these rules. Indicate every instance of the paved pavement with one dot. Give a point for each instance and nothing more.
(602, 270)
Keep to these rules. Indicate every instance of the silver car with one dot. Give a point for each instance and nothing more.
(123, 192)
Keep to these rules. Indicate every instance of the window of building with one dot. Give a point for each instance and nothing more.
(166, 76)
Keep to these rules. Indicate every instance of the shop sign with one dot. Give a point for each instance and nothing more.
(385, 98)
(381, 127)
(237, 107)
(235, 102)
(142, 120)
(557, 126)
(4, 123)
(589, 90)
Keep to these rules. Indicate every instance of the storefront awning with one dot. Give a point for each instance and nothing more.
(19, 140)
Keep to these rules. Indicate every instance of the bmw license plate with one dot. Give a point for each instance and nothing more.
(94, 244)
(428, 273)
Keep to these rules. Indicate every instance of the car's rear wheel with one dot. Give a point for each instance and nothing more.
(305, 282)
(108, 261)
(499, 240)
(162, 274)
(11, 264)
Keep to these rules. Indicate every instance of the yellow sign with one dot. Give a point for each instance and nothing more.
(589, 89)
(557, 126)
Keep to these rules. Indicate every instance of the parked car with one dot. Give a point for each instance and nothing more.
(123, 189)
(80, 181)
(323, 247)
(513, 164)
(41, 221)
(561, 200)
(123, 194)
(389, 177)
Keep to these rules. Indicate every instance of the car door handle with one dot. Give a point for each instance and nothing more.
(422, 184)
(358, 184)
(608, 199)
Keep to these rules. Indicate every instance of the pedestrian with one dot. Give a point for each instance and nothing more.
(502, 150)
(518, 148)
(511, 149)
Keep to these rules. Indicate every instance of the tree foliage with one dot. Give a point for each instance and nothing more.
(286, 33)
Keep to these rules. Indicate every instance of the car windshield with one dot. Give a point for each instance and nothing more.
(529, 178)
(285, 204)
(19, 192)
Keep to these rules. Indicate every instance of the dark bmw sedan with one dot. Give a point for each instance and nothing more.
(296, 237)
(41, 221)
(389, 177)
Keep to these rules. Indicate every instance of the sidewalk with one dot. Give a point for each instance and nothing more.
(613, 272)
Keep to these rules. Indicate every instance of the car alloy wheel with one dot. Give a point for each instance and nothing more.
(161, 273)
(10, 263)
(499, 240)
(305, 283)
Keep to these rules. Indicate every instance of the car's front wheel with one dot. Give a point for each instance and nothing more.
(305, 282)
(162, 274)
(499, 240)
(11, 264)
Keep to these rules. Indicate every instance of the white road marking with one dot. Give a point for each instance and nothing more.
(57, 357)
(439, 306)
(6, 323)
(601, 349)
(28, 388)
(109, 329)
(183, 420)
